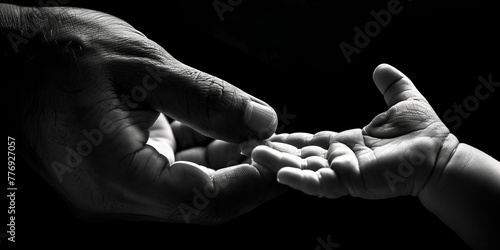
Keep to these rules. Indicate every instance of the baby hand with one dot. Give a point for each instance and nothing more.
(394, 155)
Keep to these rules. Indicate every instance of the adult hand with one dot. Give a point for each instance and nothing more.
(395, 154)
(96, 126)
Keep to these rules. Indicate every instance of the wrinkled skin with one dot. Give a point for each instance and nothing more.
(95, 124)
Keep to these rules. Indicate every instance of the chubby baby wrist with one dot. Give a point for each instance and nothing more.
(446, 153)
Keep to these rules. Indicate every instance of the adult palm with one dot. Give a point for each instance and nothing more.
(95, 122)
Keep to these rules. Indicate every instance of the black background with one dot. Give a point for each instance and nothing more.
(287, 53)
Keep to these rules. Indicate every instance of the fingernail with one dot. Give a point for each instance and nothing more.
(260, 120)
(363, 131)
(285, 148)
(247, 147)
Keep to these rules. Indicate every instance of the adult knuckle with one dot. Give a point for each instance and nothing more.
(217, 95)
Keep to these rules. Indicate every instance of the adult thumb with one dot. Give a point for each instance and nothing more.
(211, 105)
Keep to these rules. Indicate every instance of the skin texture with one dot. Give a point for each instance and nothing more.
(392, 156)
(92, 96)
(406, 150)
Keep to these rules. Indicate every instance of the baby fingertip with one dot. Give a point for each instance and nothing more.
(247, 147)
(288, 176)
(280, 180)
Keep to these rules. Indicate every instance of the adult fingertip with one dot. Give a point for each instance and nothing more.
(260, 119)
